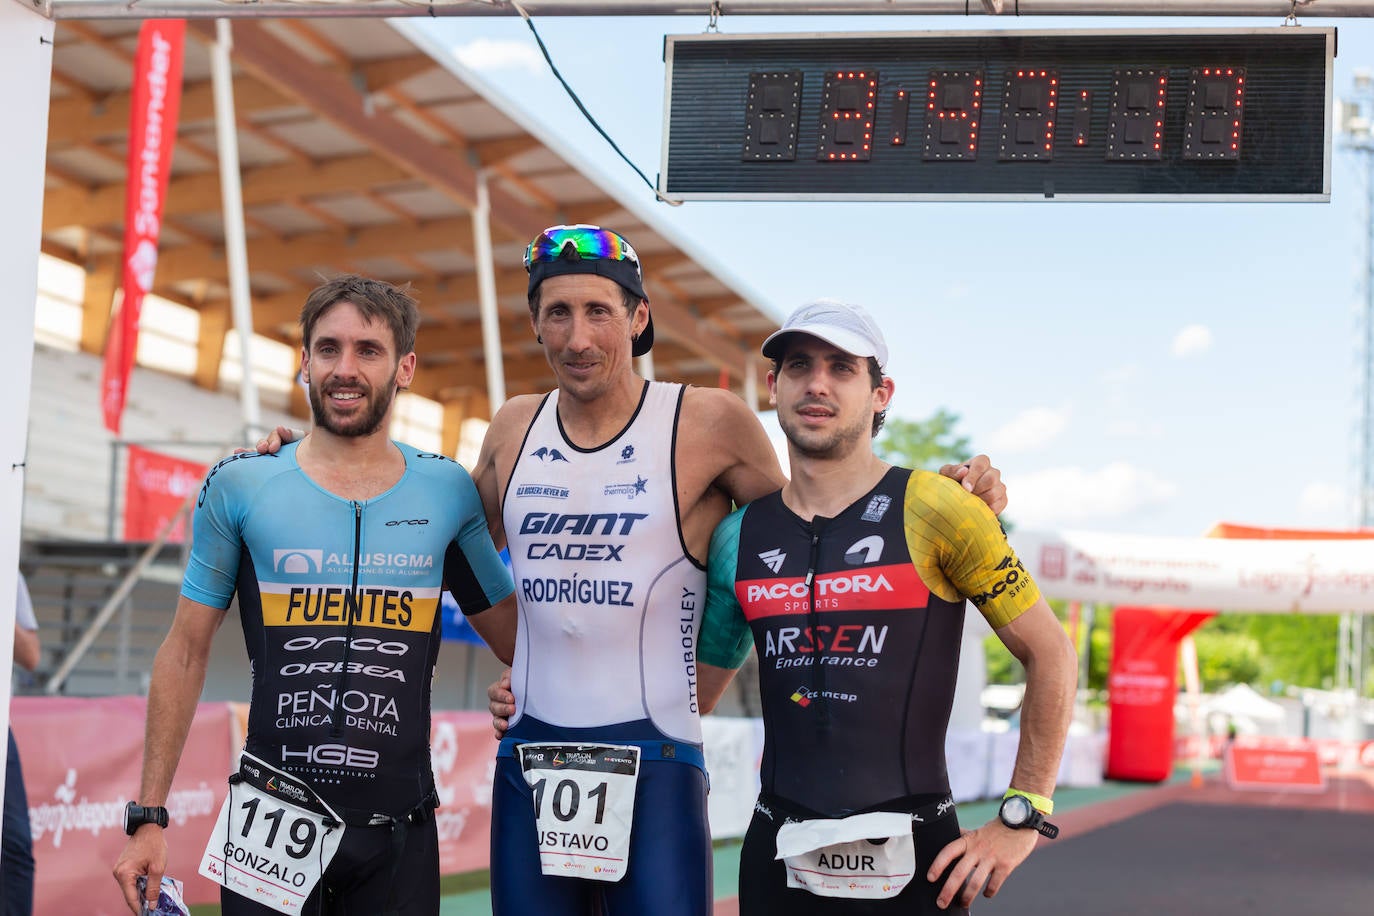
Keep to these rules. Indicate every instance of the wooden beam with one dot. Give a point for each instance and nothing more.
(97, 301)
(214, 325)
(74, 121)
(285, 307)
(104, 205)
(431, 380)
(382, 75)
(268, 255)
(335, 99)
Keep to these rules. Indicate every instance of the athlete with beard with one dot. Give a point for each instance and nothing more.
(607, 490)
(337, 547)
(851, 581)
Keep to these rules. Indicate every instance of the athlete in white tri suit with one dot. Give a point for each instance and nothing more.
(605, 653)
(609, 526)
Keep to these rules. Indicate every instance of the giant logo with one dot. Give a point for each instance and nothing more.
(595, 523)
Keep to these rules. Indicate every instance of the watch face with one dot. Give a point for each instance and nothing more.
(1016, 810)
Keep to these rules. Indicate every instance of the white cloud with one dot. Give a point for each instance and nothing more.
(1029, 430)
(1321, 498)
(1133, 429)
(485, 54)
(1073, 495)
(1192, 340)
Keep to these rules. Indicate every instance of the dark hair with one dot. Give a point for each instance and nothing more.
(875, 378)
(376, 299)
(630, 300)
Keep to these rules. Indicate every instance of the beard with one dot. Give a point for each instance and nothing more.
(824, 444)
(365, 423)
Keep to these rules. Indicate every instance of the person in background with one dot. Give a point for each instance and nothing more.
(16, 839)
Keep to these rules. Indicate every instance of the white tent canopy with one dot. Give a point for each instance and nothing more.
(1297, 576)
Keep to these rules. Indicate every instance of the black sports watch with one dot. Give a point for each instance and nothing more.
(135, 816)
(1018, 813)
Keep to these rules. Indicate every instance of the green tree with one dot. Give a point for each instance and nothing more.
(1295, 649)
(925, 444)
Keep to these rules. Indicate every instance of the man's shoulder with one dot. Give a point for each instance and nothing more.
(514, 417)
(432, 464)
(246, 470)
(712, 401)
(713, 410)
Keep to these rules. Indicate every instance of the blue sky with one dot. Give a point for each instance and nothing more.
(1135, 368)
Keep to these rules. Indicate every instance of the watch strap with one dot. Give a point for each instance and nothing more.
(1038, 802)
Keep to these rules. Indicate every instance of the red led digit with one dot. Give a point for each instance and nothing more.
(1029, 101)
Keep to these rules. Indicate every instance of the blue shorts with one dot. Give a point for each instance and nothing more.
(669, 872)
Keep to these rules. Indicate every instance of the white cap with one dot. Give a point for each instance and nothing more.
(839, 324)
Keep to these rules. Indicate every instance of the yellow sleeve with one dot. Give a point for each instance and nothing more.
(960, 551)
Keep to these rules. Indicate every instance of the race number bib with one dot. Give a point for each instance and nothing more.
(274, 838)
(584, 806)
(866, 856)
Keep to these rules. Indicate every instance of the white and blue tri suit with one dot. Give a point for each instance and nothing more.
(339, 601)
(610, 600)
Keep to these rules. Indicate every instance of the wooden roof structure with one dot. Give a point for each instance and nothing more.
(360, 148)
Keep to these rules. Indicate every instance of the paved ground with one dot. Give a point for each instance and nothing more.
(1178, 849)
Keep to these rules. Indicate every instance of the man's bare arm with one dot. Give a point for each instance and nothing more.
(27, 649)
(177, 679)
(988, 855)
(711, 685)
(496, 460)
(725, 422)
(496, 625)
(1039, 642)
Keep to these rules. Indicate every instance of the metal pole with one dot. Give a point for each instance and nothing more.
(235, 243)
(187, 9)
(486, 295)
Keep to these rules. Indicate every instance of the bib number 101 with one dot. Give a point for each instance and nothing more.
(566, 799)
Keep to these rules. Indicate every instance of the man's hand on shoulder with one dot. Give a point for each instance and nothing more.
(979, 477)
(274, 441)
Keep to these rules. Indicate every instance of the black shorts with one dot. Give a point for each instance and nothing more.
(763, 889)
(361, 881)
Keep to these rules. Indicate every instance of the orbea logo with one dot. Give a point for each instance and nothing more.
(297, 560)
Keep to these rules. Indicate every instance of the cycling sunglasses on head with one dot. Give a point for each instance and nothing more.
(588, 242)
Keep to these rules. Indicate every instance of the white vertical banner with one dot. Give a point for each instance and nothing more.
(25, 78)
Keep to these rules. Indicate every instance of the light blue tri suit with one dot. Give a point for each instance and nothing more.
(339, 602)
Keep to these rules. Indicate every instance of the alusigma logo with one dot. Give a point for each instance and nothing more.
(297, 560)
(835, 585)
(773, 559)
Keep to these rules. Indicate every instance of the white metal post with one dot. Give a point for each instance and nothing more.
(235, 238)
(486, 296)
(26, 75)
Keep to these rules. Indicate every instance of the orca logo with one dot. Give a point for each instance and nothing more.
(407, 521)
(868, 550)
(550, 454)
(297, 560)
(773, 559)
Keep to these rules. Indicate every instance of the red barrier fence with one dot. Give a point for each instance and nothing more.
(81, 761)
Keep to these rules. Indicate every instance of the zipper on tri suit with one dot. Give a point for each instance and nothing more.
(818, 674)
(351, 609)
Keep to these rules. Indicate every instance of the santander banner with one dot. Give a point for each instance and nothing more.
(1283, 576)
(155, 100)
(155, 488)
